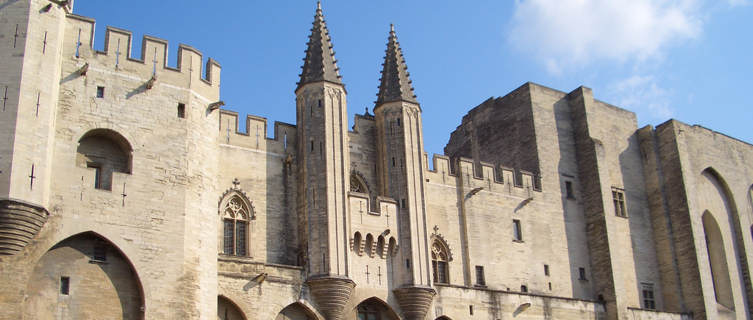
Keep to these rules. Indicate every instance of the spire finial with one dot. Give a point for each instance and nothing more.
(320, 63)
(395, 83)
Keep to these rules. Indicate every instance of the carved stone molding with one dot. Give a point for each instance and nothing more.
(331, 294)
(19, 223)
(414, 301)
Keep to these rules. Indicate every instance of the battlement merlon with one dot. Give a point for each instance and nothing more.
(117, 57)
(490, 173)
(255, 135)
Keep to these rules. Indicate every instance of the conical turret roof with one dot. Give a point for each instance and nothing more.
(395, 82)
(320, 63)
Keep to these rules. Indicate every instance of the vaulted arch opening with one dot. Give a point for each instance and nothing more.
(375, 309)
(104, 151)
(228, 310)
(717, 260)
(296, 311)
(84, 277)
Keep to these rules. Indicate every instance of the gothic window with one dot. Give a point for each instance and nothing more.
(357, 184)
(439, 259)
(235, 219)
(366, 312)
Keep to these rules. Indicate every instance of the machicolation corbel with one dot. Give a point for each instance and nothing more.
(215, 105)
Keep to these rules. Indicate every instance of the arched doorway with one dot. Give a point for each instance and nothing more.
(375, 309)
(227, 310)
(84, 277)
(295, 311)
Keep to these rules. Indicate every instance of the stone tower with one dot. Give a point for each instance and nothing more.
(400, 174)
(323, 168)
(29, 96)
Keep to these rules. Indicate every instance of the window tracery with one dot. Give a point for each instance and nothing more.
(236, 214)
(439, 262)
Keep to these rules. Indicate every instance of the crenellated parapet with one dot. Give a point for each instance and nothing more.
(488, 177)
(255, 135)
(151, 67)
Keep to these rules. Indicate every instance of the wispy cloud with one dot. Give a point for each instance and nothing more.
(644, 95)
(571, 33)
(738, 3)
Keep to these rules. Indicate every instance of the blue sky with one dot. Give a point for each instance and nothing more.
(690, 60)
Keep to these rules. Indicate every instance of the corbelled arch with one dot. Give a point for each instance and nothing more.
(84, 276)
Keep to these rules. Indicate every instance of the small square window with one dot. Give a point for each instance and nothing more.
(523, 288)
(181, 110)
(517, 232)
(480, 279)
(569, 190)
(65, 285)
(546, 270)
(582, 273)
(402, 203)
(100, 92)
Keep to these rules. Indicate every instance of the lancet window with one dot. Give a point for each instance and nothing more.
(236, 215)
(439, 262)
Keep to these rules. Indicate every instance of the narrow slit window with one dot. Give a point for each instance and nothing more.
(569, 190)
(181, 110)
(546, 270)
(582, 274)
(517, 232)
(65, 285)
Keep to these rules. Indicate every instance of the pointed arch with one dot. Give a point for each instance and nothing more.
(717, 199)
(443, 318)
(717, 260)
(440, 258)
(358, 183)
(375, 309)
(380, 246)
(80, 267)
(236, 212)
(296, 311)
(228, 310)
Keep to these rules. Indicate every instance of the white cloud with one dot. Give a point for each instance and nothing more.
(643, 95)
(565, 33)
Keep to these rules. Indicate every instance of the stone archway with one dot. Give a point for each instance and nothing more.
(296, 311)
(228, 310)
(84, 277)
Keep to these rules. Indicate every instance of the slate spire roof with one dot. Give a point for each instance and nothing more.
(395, 82)
(320, 63)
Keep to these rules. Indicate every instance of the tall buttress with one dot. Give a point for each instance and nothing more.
(323, 169)
(400, 170)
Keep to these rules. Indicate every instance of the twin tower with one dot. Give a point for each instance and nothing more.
(324, 170)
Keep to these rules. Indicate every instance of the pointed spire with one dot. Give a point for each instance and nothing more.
(319, 63)
(395, 82)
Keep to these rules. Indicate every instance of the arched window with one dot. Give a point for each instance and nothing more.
(104, 151)
(369, 248)
(439, 259)
(236, 215)
(380, 247)
(357, 184)
(357, 243)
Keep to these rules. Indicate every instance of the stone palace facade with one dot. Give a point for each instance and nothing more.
(126, 192)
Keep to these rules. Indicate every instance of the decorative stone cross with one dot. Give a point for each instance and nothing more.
(154, 62)
(5, 97)
(367, 274)
(44, 43)
(436, 229)
(236, 183)
(37, 112)
(117, 55)
(31, 178)
(379, 274)
(15, 36)
(78, 43)
(124, 193)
